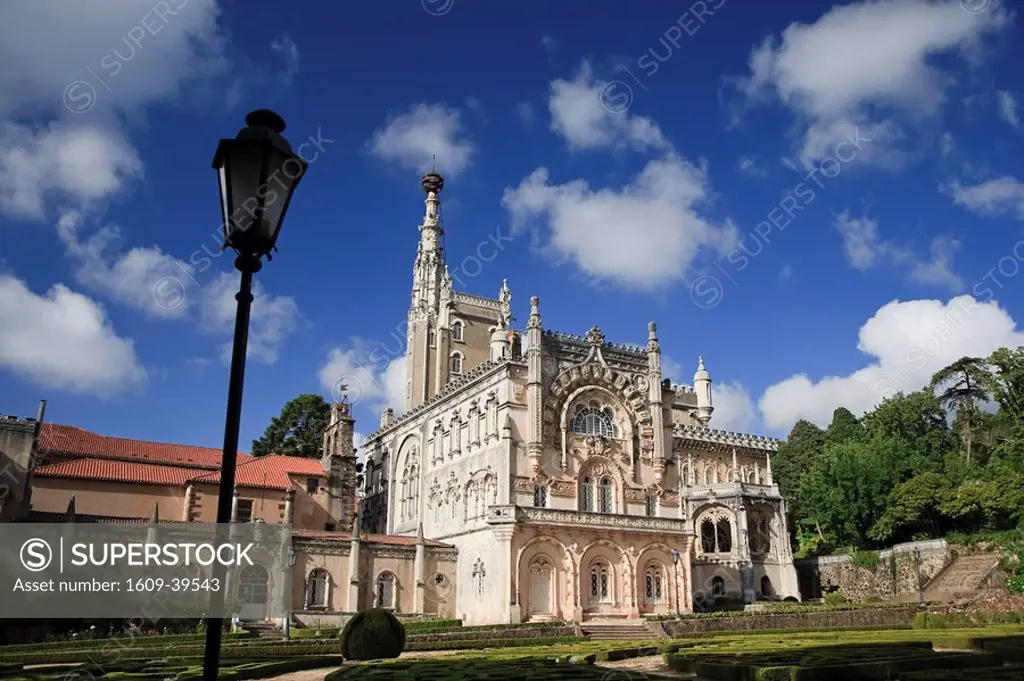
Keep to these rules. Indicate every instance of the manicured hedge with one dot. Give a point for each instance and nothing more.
(474, 670)
(124, 640)
(154, 671)
(492, 643)
(559, 630)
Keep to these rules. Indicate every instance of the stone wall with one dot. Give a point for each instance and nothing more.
(895, 576)
(868, 617)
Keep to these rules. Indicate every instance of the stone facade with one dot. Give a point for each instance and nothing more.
(894, 577)
(17, 456)
(575, 480)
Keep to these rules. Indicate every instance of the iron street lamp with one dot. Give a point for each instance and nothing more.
(675, 562)
(917, 568)
(258, 173)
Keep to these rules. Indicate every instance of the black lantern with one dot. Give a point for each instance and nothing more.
(258, 172)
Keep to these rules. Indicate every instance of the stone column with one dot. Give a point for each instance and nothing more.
(688, 577)
(743, 554)
(654, 396)
(190, 496)
(353, 569)
(419, 567)
(534, 392)
(289, 501)
(503, 535)
(234, 505)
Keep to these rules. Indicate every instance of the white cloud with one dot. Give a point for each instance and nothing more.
(273, 318)
(1001, 196)
(139, 53)
(64, 341)
(81, 164)
(749, 167)
(409, 139)
(371, 377)
(907, 342)
(589, 226)
(786, 272)
(864, 249)
(734, 409)
(142, 278)
(1008, 108)
(85, 67)
(864, 60)
(288, 51)
(591, 114)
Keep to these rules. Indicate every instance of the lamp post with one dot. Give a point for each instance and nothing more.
(917, 568)
(675, 562)
(257, 173)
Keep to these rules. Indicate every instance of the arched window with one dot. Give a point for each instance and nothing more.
(540, 496)
(457, 329)
(316, 588)
(456, 362)
(386, 590)
(724, 536)
(707, 536)
(431, 338)
(654, 581)
(766, 587)
(604, 500)
(651, 505)
(600, 582)
(717, 587)
(586, 494)
(403, 506)
(592, 419)
(252, 585)
(710, 475)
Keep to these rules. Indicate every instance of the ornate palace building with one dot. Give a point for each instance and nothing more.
(575, 480)
(534, 475)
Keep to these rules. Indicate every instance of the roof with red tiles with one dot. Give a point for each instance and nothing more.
(71, 440)
(270, 472)
(389, 539)
(119, 471)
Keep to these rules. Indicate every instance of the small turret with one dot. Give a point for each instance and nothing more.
(499, 343)
(702, 388)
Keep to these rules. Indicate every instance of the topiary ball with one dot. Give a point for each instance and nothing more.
(373, 634)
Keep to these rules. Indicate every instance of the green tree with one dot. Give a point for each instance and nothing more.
(844, 427)
(914, 507)
(960, 387)
(796, 454)
(298, 431)
(919, 422)
(843, 488)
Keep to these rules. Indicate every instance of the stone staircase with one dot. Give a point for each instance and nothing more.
(264, 629)
(962, 577)
(620, 630)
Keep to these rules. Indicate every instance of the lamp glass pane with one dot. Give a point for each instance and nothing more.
(244, 163)
(283, 173)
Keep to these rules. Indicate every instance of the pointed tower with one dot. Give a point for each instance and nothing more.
(431, 296)
(702, 387)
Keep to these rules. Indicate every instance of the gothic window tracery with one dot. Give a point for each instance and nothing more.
(593, 419)
(715, 532)
(651, 505)
(600, 582)
(586, 494)
(540, 496)
(604, 500)
(654, 583)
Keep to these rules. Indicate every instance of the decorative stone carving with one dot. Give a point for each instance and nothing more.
(595, 336)
(562, 488)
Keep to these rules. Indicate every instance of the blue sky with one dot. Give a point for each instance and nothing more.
(826, 201)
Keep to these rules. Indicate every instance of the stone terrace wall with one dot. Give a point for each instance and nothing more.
(895, 577)
(868, 617)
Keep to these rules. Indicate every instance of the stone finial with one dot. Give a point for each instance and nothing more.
(652, 330)
(534, 321)
(69, 513)
(154, 516)
(355, 527)
(419, 533)
(595, 336)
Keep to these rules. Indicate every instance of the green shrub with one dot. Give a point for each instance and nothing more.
(835, 598)
(866, 559)
(927, 620)
(373, 634)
